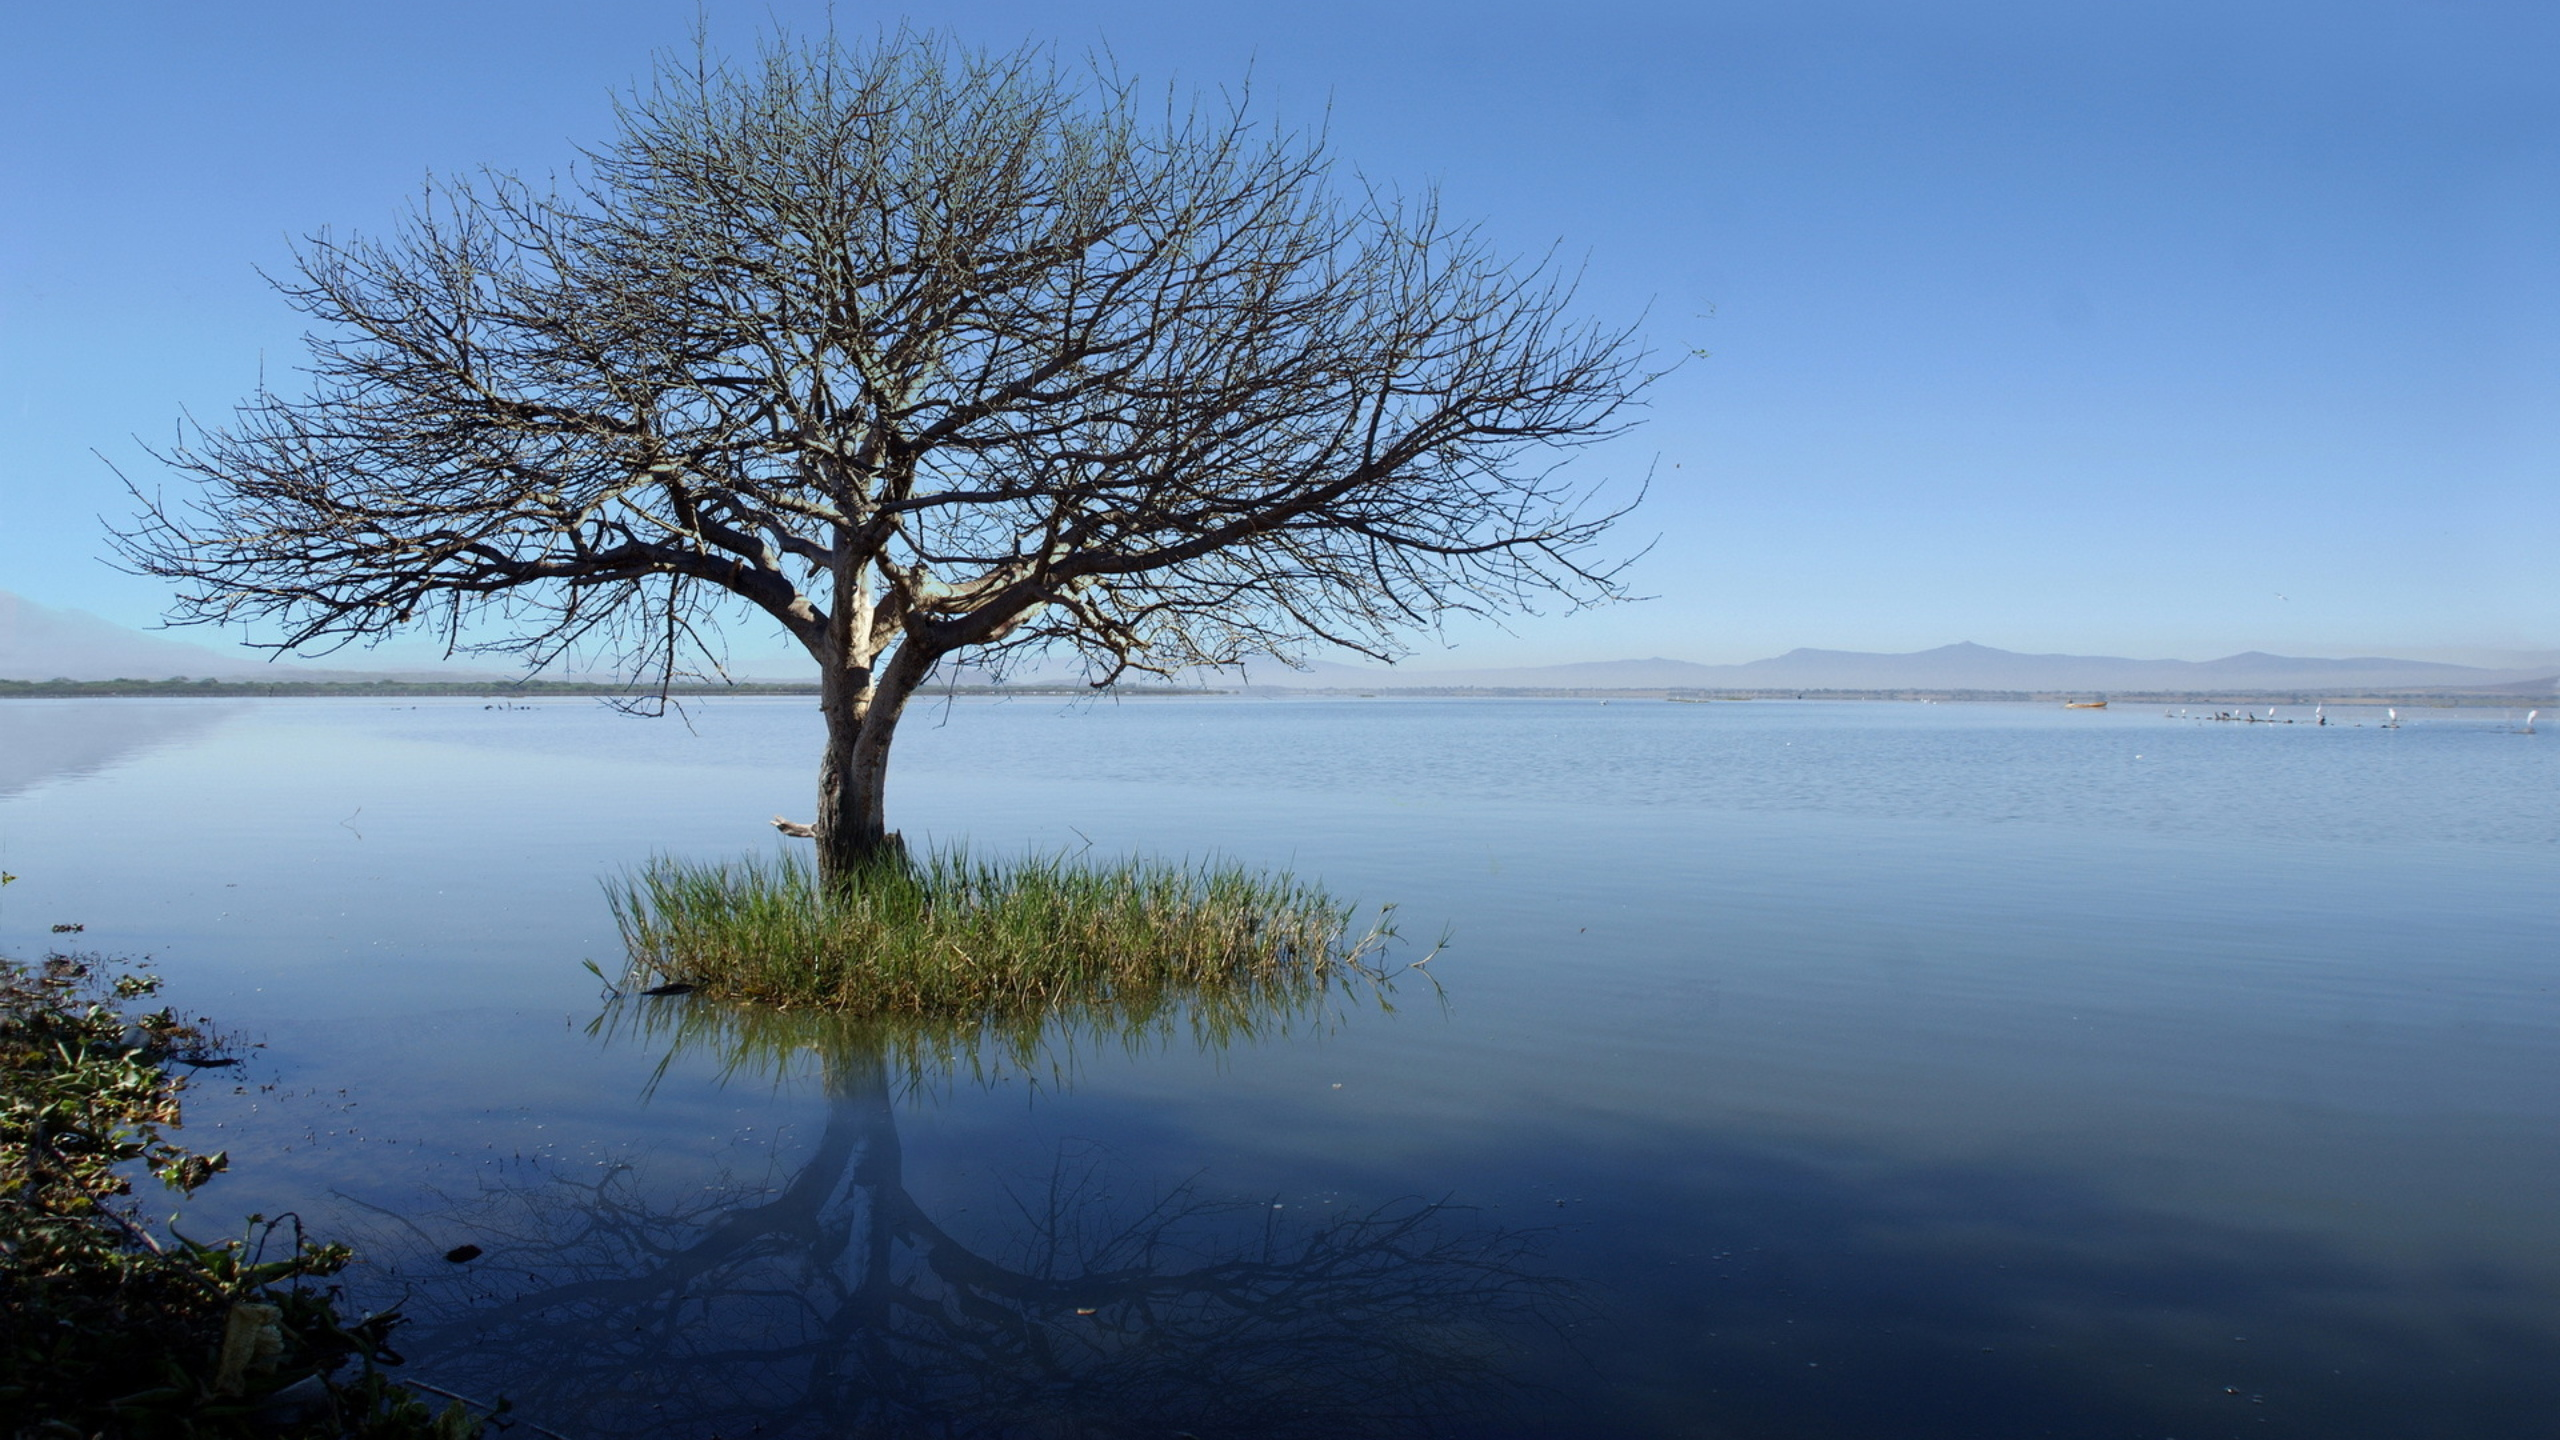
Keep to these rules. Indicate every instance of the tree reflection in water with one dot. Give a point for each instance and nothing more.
(824, 1300)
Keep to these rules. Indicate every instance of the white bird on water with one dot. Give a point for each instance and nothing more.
(2529, 717)
(2394, 722)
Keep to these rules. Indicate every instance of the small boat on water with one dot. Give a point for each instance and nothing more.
(2084, 704)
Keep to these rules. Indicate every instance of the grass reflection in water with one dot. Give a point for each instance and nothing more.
(950, 934)
(822, 1297)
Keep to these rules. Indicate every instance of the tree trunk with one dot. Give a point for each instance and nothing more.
(862, 706)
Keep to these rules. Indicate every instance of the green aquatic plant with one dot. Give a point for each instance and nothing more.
(112, 1328)
(952, 937)
(1045, 1046)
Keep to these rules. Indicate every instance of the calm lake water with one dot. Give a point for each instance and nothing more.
(1793, 1069)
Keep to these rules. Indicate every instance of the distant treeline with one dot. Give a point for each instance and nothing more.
(528, 689)
(492, 689)
(2047, 697)
(183, 686)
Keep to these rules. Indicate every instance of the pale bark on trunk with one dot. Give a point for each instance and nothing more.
(862, 706)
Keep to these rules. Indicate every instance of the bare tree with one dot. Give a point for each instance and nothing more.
(923, 353)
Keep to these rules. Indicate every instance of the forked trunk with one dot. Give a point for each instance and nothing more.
(862, 708)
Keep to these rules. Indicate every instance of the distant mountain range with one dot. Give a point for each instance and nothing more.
(1948, 668)
(41, 643)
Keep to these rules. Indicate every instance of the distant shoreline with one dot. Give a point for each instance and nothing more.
(568, 689)
(2119, 698)
(184, 689)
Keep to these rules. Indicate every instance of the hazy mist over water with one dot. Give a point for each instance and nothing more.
(1799, 1068)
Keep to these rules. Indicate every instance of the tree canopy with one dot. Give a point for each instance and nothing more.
(920, 352)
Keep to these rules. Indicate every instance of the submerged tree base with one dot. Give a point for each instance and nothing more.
(946, 935)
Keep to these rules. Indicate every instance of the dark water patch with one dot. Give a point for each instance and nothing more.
(1757, 1291)
(1108, 1274)
(810, 1291)
(822, 1284)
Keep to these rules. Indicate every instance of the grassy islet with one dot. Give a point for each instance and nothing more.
(951, 935)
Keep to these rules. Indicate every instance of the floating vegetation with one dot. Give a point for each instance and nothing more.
(111, 1328)
(955, 938)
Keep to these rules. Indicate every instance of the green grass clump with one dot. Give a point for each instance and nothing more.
(951, 936)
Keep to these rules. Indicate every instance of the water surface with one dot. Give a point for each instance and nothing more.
(1795, 1069)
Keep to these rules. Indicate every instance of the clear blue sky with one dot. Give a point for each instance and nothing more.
(2155, 329)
